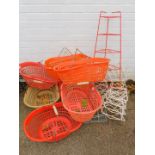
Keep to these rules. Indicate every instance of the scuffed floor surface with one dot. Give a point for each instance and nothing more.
(110, 138)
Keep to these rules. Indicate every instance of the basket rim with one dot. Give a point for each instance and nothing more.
(87, 61)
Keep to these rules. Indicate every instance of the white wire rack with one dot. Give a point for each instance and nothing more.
(116, 103)
(115, 97)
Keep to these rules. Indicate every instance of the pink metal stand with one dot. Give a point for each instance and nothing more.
(107, 17)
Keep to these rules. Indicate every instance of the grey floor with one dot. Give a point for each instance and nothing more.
(110, 138)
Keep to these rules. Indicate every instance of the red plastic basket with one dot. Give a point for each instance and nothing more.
(81, 101)
(86, 70)
(35, 76)
(43, 125)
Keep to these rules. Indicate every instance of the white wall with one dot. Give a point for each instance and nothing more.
(46, 26)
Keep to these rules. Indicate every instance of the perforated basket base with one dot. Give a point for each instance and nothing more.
(55, 128)
(75, 98)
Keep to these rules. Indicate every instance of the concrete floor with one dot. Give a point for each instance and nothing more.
(110, 138)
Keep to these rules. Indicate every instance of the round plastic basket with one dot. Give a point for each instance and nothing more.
(86, 70)
(35, 75)
(82, 101)
(35, 98)
(45, 125)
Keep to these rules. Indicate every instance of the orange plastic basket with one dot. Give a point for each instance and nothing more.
(43, 125)
(35, 75)
(52, 62)
(81, 101)
(86, 70)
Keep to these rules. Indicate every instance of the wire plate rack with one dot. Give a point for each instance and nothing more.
(115, 97)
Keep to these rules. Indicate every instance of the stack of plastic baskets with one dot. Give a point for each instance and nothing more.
(80, 99)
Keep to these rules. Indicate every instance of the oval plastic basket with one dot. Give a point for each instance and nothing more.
(35, 98)
(86, 70)
(43, 125)
(35, 75)
(82, 101)
(51, 62)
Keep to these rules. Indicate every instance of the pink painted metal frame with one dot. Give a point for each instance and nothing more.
(106, 51)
